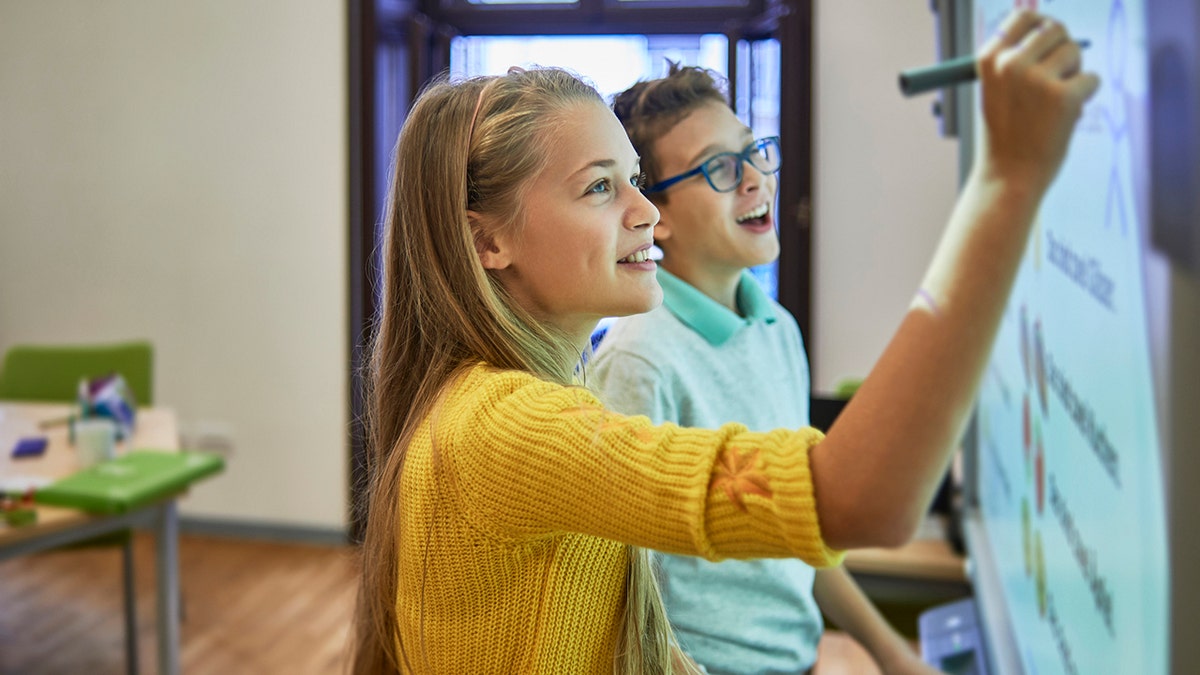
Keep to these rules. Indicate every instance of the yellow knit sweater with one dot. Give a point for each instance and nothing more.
(519, 497)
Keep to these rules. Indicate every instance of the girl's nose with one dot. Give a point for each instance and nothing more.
(642, 213)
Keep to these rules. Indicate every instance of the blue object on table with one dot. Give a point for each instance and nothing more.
(31, 446)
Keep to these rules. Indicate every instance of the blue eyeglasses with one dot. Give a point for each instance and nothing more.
(723, 171)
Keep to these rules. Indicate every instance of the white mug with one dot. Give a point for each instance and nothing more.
(95, 440)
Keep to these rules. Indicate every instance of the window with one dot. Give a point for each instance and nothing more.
(519, 2)
(395, 46)
(611, 62)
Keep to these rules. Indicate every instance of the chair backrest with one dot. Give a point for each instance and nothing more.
(53, 372)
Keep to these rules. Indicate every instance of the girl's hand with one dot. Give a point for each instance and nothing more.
(1033, 94)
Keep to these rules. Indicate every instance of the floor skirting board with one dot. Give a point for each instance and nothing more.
(238, 529)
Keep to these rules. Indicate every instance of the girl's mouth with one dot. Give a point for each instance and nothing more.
(637, 257)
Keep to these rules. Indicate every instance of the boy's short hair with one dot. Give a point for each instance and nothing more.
(651, 108)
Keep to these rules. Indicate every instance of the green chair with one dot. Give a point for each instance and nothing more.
(51, 373)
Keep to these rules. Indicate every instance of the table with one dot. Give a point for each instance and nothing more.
(926, 569)
(55, 527)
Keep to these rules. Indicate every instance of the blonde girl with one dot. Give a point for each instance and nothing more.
(508, 509)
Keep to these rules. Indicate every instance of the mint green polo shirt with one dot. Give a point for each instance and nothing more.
(711, 319)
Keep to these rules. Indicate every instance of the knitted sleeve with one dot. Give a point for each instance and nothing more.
(528, 459)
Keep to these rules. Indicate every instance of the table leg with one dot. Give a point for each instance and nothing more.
(168, 589)
(131, 627)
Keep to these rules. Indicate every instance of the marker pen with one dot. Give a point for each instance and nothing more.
(945, 74)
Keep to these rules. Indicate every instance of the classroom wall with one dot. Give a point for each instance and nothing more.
(177, 171)
(884, 181)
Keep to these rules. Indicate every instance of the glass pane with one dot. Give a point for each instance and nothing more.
(757, 105)
(688, 4)
(611, 62)
(520, 2)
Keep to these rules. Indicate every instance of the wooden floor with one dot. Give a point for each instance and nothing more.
(250, 607)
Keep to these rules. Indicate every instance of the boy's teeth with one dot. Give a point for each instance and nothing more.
(640, 256)
(756, 213)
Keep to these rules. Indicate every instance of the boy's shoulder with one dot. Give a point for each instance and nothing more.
(655, 335)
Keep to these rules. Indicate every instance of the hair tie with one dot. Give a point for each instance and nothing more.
(478, 103)
(514, 70)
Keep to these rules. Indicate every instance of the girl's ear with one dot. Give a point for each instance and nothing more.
(493, 250)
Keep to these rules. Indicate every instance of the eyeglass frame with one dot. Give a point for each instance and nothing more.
(743, 158)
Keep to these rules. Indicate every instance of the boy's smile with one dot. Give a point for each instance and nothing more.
(758, 219)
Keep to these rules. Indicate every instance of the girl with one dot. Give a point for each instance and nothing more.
(507, 507)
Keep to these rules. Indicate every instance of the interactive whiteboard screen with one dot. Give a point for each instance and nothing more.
(1069, 475)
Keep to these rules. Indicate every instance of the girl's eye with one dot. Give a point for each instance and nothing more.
(638, 180)
(600, 187)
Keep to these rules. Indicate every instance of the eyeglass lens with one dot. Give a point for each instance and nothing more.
(724, 171)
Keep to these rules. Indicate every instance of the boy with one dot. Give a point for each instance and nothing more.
(719, 350)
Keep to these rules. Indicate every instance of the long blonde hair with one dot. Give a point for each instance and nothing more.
(471, 145)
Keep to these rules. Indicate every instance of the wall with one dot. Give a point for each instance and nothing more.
(884, 183)
(177, 171)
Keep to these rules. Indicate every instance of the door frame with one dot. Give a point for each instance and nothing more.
(390, 40)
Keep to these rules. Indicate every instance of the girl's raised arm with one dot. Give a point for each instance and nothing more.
(876, 472)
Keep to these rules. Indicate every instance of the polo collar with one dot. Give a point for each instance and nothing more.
(712, 320)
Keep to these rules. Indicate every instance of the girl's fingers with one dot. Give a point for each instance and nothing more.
(1012, 30)
(1082, 87)
(1065, 61)
(1042, 41)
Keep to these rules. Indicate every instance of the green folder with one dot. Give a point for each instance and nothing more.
(139, 477)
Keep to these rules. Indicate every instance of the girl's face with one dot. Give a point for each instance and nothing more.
(581, 253)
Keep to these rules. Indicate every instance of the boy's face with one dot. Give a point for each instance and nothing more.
(705, 234)
(580, 254)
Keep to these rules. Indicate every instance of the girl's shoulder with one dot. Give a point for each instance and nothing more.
(485, 376)
(484, 386)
